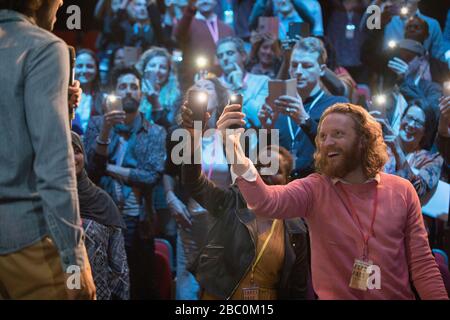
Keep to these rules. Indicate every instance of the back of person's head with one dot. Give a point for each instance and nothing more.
(26, 7)
(312, 45)
(42, 11)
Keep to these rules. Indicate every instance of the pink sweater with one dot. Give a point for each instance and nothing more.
(400, 246)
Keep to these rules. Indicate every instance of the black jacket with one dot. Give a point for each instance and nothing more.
(230, 249)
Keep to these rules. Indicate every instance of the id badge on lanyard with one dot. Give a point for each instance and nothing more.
(360, 274)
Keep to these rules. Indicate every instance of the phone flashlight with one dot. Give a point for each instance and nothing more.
(392, 44)
(236, 98)
(380, 99)
(201, 62)
(198, 103)
(404, 11)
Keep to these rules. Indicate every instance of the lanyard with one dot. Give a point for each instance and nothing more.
(352, 210)
(213, 30)
(291, 130)
(263, 248)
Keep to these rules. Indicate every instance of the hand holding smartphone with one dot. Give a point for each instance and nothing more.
(113, 103)
(278, 88)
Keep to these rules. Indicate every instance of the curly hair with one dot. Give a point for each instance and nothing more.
(374, 152)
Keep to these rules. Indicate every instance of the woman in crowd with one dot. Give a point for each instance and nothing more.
(409, 151)
(265, 55)
(246, 256)
(192, 218)
(87, 72)
(103, 226)
(162, 95)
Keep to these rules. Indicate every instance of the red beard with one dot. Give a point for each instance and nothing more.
(339, 166)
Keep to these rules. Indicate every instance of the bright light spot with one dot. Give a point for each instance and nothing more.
(201, 62)
(380, 99)
(392, 44)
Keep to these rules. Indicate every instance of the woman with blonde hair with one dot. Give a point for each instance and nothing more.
(160, 86)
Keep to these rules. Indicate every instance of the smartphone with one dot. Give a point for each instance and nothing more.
(393, 50)
(198, 103)
(269, 25)
(446, 89)
(301, 29)
(278, 88)
(236, 98)
(131, 55)
(113, 103)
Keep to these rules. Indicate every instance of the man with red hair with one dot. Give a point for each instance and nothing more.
(368, 239)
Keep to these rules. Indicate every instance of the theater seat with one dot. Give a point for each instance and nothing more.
(165, 247)
(163, 275)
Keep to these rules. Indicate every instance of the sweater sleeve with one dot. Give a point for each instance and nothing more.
(281, 201)
(423, 269)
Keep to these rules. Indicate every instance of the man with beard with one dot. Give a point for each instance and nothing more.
(297, 117)
(126, 155)
(368, 239)
(41, 238)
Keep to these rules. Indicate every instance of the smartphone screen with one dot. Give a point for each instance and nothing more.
(113, 103)
(301, 29)
(278, 88)
(198, 103)
(447, 88)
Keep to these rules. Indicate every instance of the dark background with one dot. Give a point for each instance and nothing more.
(435, 8)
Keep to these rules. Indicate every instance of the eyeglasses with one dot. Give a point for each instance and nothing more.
(416, 122)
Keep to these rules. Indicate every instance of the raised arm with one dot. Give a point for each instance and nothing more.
(292, 200)
(204, 191)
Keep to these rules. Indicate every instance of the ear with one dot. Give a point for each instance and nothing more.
(322, 69)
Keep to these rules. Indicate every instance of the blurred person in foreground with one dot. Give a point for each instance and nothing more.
(41, 237)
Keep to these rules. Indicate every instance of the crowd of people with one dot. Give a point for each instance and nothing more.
(363, 126)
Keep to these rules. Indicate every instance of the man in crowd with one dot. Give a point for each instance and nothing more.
(198, 32)
(126, 157)
(395, 29)
(297, 117)
(365, 243)
(254, 88)
(41, 238)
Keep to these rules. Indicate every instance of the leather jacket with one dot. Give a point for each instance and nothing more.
(230, 250)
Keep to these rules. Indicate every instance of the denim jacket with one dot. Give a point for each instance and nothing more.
(38, 192)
